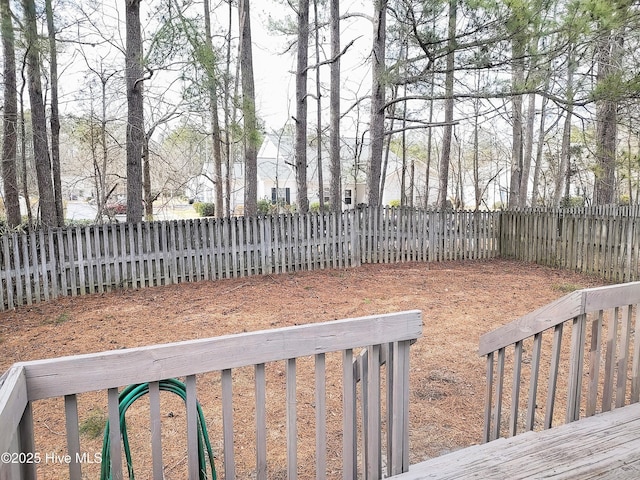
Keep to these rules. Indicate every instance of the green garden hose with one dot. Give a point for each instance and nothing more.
(126, 398)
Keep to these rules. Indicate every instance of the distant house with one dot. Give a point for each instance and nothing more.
(277, 177)
(77, 187)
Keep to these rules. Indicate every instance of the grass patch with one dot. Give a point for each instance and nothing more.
(93, 426)
(566, 287)
(60, 319)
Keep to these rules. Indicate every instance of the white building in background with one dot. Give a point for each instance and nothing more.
(277, 177)
(77, 187)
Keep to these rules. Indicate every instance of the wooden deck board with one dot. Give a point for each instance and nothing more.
(604, 446)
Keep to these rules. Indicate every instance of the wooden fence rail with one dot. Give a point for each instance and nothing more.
(46, 264)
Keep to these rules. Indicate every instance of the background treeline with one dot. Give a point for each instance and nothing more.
(482, 103)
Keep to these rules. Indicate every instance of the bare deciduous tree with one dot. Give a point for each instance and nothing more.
(9, 118)
(249, 111)
(445, 159)
(55, 116)
(48, 214)
(335, 194)
(135, 112)
(301, 106)
(378, 86)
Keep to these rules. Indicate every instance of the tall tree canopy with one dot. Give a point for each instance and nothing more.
(506, 102)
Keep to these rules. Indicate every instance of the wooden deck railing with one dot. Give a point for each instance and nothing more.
(593, 368)
(366, 419)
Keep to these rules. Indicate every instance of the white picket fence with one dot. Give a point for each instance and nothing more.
(46, 264)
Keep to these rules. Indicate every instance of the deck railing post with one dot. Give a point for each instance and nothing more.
(349, 446)
(27, 443)
(73, 436)
(398, 370)
(114, 434)
(488, 397)
(576, 366)
(373, 469)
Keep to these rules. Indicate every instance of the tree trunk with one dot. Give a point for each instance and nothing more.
(23, 148)
(606, 123)
(460, 200)
(427, 179)
(48, 214)
(517, 83)
(448, 107)
(135, 118)
(387, 144)
(146, 177)
(318, 106)
(528, 150)
(564, 166)
(9, 119)
(229, 114)
(301, 106)
(403, 178)
(249, 110)
(213, 111)
(102, 194)
(539, 152)
(335, 191)
(376, 131)
(55, 117)
(476, 149)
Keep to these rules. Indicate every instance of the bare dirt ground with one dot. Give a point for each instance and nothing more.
(459, 301)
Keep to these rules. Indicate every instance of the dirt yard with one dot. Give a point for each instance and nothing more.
(459, 301)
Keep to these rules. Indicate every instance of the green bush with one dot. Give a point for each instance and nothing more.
(394, 203)
(264, 207)
(315, 207)
(205, 209)
(571, 202)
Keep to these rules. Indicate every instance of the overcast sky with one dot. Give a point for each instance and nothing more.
(275, 80)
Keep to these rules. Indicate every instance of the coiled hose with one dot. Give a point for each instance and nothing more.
(126, 398)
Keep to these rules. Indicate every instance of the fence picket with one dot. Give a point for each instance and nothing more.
(27, 271)
(9, 275)
(18, 270)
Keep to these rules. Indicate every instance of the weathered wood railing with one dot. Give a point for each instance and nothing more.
(534, 348)
(364, 424)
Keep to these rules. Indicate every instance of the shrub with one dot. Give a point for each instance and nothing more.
(570, 202)
(394, 203)
(315, 207)
(205, 209)
(264, 207)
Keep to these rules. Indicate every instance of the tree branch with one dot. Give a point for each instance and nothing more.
(334, 59)
(145, 77)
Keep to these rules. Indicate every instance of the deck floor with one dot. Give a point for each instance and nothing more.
(603, 446)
